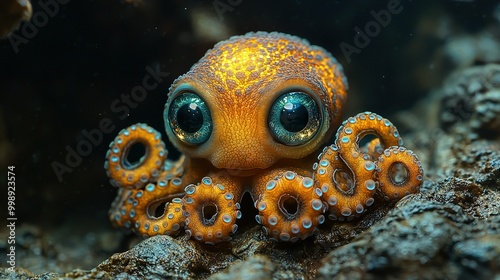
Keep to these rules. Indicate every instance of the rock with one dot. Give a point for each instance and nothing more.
(419, 238)
(23, 274)
(156, 257)
(480, 257)
(256, 267)
(472, 99)
(412, 239)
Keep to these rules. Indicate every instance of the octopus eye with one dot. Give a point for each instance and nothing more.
(294, 118)
(189, 118)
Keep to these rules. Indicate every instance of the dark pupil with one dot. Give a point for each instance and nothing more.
(190, 118)
(294, 117)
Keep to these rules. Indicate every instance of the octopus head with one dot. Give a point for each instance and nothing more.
(254, 100)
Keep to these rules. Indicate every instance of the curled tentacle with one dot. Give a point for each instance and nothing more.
(211, 210)
(290, 207)
(399, 172)
(345, 173)
(136, 209)
(145, 185)
(344, 195)
(135, 175)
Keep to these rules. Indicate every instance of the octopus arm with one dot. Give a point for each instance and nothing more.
(290, 207)
(349, 176)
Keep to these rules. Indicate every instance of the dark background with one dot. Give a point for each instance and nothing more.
(66, 77)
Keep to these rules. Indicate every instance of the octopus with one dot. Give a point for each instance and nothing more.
(255, 115)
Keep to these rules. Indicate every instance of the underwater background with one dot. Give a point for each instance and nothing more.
(59, 81)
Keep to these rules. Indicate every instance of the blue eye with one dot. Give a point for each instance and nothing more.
(189, 118)
(294, 118)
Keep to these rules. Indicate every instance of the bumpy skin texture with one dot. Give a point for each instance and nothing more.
(251, 116)
(240, 78)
